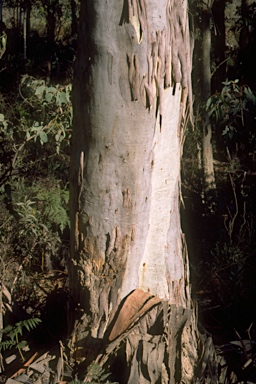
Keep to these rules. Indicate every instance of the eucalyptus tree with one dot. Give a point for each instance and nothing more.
(130, 301)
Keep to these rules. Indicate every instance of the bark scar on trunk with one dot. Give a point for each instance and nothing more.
(110, 67)
(127, 198)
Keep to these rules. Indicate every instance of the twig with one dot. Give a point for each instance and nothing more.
(220, 64)
(21, 370)
(61, 361)
(231, 223)
(7, 294)
(242, 344)
(249, 331)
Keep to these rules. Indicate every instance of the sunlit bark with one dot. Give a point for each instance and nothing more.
(129, 275)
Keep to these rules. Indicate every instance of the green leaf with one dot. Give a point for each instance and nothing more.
(208, 103)
(226, 82)
(61, 98)
(104, 376)
(249, 95)
(48, 97)
(22, 344)
(39, 91)
(43, 137)
(68, 92)
(211, 111)
(36, 127)
(52, 90)
(225, 131)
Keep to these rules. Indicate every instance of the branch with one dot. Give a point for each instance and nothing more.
(218, 66)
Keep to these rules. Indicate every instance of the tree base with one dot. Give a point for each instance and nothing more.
(153, 341)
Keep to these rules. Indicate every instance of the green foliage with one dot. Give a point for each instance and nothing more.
(227, 270)
(35, 129)
(12, 334)
(52, 111)
(222, 246)
(38, 219)
(54, 207)
(96, 375)
(43, 115)
(229, 107)
(42, 214)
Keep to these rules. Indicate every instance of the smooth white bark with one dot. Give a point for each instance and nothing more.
(129, 100)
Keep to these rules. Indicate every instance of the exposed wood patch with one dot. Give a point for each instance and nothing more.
(127, 198)
(136, 305)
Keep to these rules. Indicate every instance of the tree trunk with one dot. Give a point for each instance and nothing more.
(27, 28)
(209, 178)
(219, 46)
(129, 273)
(1, 10)
(202, 90)
(74, 17)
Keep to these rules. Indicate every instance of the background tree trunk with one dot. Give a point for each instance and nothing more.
(74, 17)
(209, 178)
(219, 73)
(202, 13)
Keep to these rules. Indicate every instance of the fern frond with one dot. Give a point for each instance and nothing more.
(96, 374)
(7, 344)
(31, 323)
(6, 329)
(55, 206)
(13, 332)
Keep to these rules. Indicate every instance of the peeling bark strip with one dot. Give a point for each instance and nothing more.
(102, 275)
(135, 306)
(168, 51)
